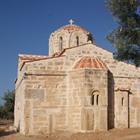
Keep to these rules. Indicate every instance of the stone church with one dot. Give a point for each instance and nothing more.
(78, 87)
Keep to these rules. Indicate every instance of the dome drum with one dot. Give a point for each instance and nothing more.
(68, 36)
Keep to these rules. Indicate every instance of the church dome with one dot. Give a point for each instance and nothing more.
(68, 36)
(71, 28)
(90, 62)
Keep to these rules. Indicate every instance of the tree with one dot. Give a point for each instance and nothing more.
(7, 110)
(126, 37)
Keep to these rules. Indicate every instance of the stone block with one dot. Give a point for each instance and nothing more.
(87, 121)
(34, 93)
(138, 116)
(135, 102)
(39, 112)
(137, 85)
(103, 120)
(58, 63)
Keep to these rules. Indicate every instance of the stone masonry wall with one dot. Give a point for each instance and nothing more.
(47, 95)
(96, 107)
(124, 76)
(44, 102)
(76, 91)
(83, 116)
(68, 40)
(19, 108)
(122, 109)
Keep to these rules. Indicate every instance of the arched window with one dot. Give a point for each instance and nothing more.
(97, 99)
(89, 37)
(92, 100)
(61, 44)
(77, 41)
(122, 100)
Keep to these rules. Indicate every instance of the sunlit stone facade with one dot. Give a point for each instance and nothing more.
(78, 87)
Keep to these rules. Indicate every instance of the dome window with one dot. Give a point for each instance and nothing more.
(89, 37)
(60, 43)
(77, 41)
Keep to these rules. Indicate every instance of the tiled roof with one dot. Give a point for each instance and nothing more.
(71, 27)
(31, 57)
(90, 62)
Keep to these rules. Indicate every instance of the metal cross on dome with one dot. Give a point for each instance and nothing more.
(71, 21)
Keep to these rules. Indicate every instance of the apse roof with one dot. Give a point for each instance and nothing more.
(90, 62)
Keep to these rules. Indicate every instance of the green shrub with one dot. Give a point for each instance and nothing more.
(7, 110)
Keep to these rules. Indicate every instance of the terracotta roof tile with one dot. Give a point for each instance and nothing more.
(90, 62)
(71, 27)
(31, 57)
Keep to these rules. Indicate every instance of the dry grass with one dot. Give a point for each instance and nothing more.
(6, 122)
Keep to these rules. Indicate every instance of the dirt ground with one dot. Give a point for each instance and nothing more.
(113, 134)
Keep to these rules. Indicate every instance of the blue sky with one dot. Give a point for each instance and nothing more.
(25, 26)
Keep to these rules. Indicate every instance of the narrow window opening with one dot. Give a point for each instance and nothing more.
(77, 40)
(123, 101)
(61, 44)
(92, 100)
(89, 38)
(97, 99)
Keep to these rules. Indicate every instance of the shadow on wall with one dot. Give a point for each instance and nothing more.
(129, 93)
(111, 103)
